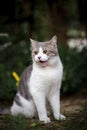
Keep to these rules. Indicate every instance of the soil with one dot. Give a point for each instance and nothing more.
(74, 103)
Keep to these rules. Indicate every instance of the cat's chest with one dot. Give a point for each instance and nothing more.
(48, 75)
(45, 76)
(44, 80)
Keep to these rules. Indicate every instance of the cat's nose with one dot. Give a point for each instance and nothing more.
(39, 57)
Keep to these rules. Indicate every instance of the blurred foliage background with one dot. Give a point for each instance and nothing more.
(22, 19)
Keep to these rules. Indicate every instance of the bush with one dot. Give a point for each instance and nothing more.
(75, 72)
(13, 58)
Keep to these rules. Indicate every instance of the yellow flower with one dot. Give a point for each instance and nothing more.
(16, 77)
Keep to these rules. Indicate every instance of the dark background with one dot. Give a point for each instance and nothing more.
(22, 19)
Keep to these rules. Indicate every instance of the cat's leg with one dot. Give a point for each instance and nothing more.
(54, 99)
(40, 103)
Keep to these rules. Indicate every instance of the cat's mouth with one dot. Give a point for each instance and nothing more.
(43, 61)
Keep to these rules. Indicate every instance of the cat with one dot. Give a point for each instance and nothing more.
(39, 83)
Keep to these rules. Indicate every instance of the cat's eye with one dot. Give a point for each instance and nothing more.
(45, 51)
(35, 52)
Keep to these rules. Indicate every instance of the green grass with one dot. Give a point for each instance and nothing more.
(76, 121)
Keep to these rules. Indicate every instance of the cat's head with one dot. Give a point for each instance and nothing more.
(45, 53)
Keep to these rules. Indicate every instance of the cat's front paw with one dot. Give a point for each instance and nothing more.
(46, 120)
(60, 117)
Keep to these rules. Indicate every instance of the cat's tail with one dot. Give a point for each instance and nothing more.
(5, 111)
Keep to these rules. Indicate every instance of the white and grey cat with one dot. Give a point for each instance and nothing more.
(40, 83)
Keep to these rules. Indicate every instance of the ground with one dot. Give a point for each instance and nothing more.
(74, 107)
(74, 103)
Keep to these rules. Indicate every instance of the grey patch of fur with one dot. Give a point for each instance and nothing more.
(17, 100)
(23, 86)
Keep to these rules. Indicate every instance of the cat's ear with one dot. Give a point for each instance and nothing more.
(33, 43)
(54, 41)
